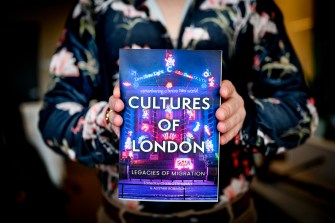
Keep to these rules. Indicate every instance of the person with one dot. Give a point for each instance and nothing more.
(266, 107)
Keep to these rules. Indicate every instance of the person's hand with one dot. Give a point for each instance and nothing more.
(231, 113)
(116, 106)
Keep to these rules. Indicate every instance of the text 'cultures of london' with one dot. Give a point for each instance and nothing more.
(165, 124)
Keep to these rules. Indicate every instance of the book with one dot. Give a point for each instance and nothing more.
(169, 142)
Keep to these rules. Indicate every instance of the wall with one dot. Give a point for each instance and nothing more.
(44, 21)
(299, 21)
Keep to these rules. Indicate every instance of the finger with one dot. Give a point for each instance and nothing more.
(115, 102)
(227, 89)
(229, 108)
(229, 135)
(116, 106)
(235, 120)
(116, 90)
(115, 119)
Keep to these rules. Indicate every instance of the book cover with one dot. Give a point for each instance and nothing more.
(169, 143)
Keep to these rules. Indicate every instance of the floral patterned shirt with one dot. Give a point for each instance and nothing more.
(257, 57)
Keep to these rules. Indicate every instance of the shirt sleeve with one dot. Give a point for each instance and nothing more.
(281, 114)
(71, 123)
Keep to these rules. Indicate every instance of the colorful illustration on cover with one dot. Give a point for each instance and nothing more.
(169, 144)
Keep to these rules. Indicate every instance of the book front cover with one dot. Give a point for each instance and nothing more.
(169, 143)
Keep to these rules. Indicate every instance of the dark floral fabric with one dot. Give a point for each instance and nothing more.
(257, 57)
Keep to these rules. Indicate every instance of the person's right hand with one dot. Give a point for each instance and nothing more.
(116, 105)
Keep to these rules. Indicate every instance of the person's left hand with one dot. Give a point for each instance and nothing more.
(116, 106)
(231, 113)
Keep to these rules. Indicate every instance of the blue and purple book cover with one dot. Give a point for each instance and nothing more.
(169, 143)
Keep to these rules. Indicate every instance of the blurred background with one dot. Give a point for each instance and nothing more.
(298, 186)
